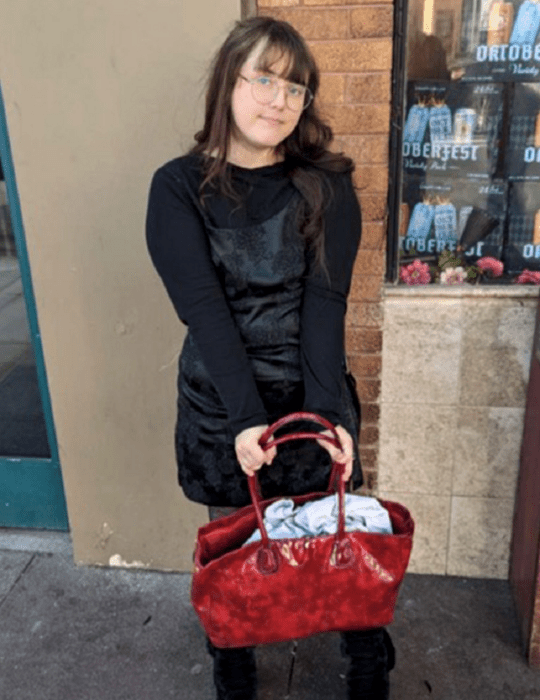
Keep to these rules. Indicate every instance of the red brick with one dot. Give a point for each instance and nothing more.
(369, 87)
(369, 458)
(359, 119)
(371, 178)
(370, 414)
(332, 90)
(363, 340)
(373, 206)
(370, 485)
(368, 389)
(372, 21)
(370, 262)
(349, 56)
(366, 365)
(316, 24)
(369, 435)
(373, 235)
(364, 148)
(365, 287)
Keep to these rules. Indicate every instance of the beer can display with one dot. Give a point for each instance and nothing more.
(441, 211)
(470, 160)
(458, 135)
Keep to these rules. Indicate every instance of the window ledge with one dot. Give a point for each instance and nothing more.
(514, 291)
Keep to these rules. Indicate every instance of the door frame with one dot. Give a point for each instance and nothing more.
(25, 481)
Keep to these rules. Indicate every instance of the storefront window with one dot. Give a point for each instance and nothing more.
(469, 170)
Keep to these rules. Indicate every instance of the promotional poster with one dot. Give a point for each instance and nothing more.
(523, 249)
(452, 129)
(441, 215)
(523, 148)
(500, 40)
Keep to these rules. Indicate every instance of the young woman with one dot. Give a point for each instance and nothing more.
(254, 233)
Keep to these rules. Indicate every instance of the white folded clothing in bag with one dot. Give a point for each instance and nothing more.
(284, 520)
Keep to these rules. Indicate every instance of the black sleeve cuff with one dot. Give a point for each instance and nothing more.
(257, 419)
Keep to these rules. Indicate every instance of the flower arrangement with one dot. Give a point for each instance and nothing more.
(492, 265)
(415, 273)
(453, 275)
(451, 269)
(528, 277)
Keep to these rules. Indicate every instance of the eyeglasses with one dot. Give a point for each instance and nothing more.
(265, 89)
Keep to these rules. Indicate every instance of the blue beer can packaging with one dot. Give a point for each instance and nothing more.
(421, 220)
(416, 124)
(445, 218)
(440, 123)
(527, 24)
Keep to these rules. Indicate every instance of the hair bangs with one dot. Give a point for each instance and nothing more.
(298, 67)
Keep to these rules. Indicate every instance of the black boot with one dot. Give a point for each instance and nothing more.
(235, 673)
(372, 656)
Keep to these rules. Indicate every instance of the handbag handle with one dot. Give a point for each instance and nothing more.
(294, 418)
(267, 560)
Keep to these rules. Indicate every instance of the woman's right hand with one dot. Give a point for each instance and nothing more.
(249, 453)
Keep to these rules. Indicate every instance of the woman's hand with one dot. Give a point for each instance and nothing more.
(249, 453)
(343, 457)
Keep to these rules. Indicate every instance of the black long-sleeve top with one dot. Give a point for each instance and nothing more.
(179, 248)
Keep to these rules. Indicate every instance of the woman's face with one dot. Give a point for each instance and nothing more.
(257, 129)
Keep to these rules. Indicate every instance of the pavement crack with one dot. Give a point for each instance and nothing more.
(19, 577)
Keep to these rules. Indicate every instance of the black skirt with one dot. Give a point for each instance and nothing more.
(209, 472)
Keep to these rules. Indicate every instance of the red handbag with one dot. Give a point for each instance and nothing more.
(277, 590)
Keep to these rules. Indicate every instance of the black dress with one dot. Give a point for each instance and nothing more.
(262, 324)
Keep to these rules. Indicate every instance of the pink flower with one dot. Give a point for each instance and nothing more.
(415, 273)
(453, 275)
(528, 277)
(492, 265)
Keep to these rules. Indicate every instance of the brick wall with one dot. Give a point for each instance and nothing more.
(352, 43)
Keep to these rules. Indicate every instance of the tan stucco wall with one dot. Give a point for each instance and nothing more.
(98, 94)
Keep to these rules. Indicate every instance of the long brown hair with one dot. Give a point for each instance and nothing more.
(305, 150)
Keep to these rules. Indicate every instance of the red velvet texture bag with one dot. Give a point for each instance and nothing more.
(277, 590)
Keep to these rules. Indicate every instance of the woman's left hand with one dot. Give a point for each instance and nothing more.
(345, 456)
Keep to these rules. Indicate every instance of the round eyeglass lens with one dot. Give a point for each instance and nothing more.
(265, 90)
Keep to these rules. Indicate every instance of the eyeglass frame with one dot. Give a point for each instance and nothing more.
(307, 93)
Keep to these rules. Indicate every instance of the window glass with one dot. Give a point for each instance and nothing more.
(22, 424)
(471, 140)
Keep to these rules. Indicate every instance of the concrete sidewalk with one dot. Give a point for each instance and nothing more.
(84, 633)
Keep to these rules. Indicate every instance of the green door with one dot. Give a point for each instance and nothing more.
(31, 490)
